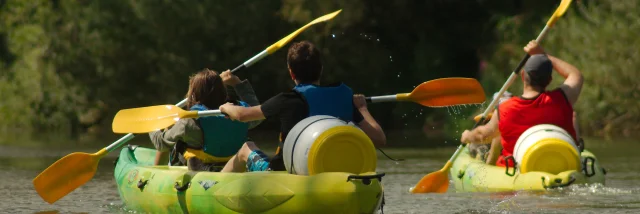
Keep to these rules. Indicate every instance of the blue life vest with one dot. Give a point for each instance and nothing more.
(334, 101)
(222, 137)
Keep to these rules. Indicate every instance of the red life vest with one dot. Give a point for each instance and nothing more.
(517, 114)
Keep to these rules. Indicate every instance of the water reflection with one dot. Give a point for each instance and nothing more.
(19, 165)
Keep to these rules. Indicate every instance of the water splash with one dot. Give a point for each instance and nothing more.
(594, 189)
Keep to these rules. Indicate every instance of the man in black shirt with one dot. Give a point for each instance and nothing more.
(305, 100)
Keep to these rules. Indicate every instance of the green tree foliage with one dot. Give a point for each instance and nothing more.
(68, 66)
(599, 38)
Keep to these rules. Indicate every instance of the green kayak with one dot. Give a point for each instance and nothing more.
(172, 189)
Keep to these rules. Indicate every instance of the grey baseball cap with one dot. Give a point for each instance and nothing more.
(539, 68)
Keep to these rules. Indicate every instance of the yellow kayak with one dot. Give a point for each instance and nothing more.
(471, 175)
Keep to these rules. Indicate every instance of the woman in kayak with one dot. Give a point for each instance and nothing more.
(207, 143)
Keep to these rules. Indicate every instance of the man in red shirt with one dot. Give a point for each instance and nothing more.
(535, 106)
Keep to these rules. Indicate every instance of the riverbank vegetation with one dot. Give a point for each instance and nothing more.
(68, 66)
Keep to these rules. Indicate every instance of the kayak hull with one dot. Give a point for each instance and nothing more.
(471, 175)
(171, 189)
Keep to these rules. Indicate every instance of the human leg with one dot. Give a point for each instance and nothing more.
(494, 152)
(159, 155)
(580, 142)
(249, 158)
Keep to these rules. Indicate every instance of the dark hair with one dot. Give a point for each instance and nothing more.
(206, 88)
(538, 82)
(304, 61)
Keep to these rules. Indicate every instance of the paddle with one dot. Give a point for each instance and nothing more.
(440, 92)
(438, 181)
(153, 118)
(77, 168)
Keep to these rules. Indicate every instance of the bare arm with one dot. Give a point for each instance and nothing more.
(573, 78)
(483, 133)
(372, 128)
(242, 114)
(369, 124)
(244, 91)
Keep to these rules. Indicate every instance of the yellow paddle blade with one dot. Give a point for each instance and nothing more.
(67, 174)
(437, 181)
(287, 39)
(562, 8)
(147, 119)
(446, 92)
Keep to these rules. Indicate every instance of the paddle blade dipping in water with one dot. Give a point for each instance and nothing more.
(67, 174)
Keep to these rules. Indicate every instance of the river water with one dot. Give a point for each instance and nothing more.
(621, 194)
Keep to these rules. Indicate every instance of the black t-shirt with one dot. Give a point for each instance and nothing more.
(290, 108)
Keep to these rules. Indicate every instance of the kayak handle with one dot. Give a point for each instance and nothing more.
(141, 184)
(558, 182)
(182, 188)
(366, 179)
(390, 158)
(506, 169)
(593, 166)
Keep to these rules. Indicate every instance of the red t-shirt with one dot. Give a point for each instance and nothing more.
(518, 114)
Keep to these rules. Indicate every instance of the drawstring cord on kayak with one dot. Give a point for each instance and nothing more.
(589, 161)
(506, 169)
(390, 158)
(382, 205)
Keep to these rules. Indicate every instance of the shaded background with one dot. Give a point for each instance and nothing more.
(66, 67)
